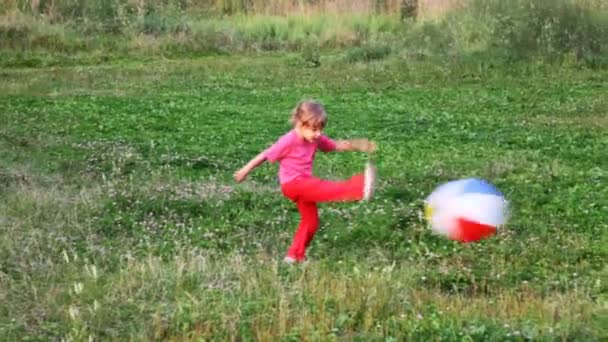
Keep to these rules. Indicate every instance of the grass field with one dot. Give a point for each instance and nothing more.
(119, 218)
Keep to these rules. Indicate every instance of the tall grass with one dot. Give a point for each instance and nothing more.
(513, 30)
(194, 296)
(70, 9)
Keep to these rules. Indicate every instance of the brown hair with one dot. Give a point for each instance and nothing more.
(309, 113)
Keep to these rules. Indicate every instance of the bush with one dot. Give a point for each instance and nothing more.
(368, 53)
(542, 29)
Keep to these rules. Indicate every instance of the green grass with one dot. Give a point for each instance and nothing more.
(119, 218)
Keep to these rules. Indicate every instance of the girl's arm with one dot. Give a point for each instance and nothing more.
(358, 145)
(241, 174)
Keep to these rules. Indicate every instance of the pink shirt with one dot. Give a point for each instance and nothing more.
(296, 155)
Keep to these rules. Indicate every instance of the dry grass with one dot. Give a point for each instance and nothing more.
(317, 299)
(427, 8)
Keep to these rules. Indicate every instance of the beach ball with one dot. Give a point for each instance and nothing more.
(466, 210)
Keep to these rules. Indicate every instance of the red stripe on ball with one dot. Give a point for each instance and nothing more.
(470, 231)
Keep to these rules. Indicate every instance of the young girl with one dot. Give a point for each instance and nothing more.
(295, 152)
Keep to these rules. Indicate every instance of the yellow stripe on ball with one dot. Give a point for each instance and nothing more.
(428, 212)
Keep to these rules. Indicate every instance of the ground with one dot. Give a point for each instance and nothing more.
(119, 217)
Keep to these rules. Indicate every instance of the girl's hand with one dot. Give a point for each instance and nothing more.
(240, 175)
(371, 147)
(363, 145)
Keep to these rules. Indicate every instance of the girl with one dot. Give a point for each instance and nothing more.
(295, 152)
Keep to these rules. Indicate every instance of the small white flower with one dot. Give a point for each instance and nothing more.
(65, 256)
(73, 312)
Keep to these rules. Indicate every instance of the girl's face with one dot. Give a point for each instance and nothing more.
(310, 133)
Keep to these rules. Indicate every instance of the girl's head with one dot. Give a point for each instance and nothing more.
(309, 119)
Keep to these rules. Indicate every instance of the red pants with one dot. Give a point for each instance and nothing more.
(306, 192)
